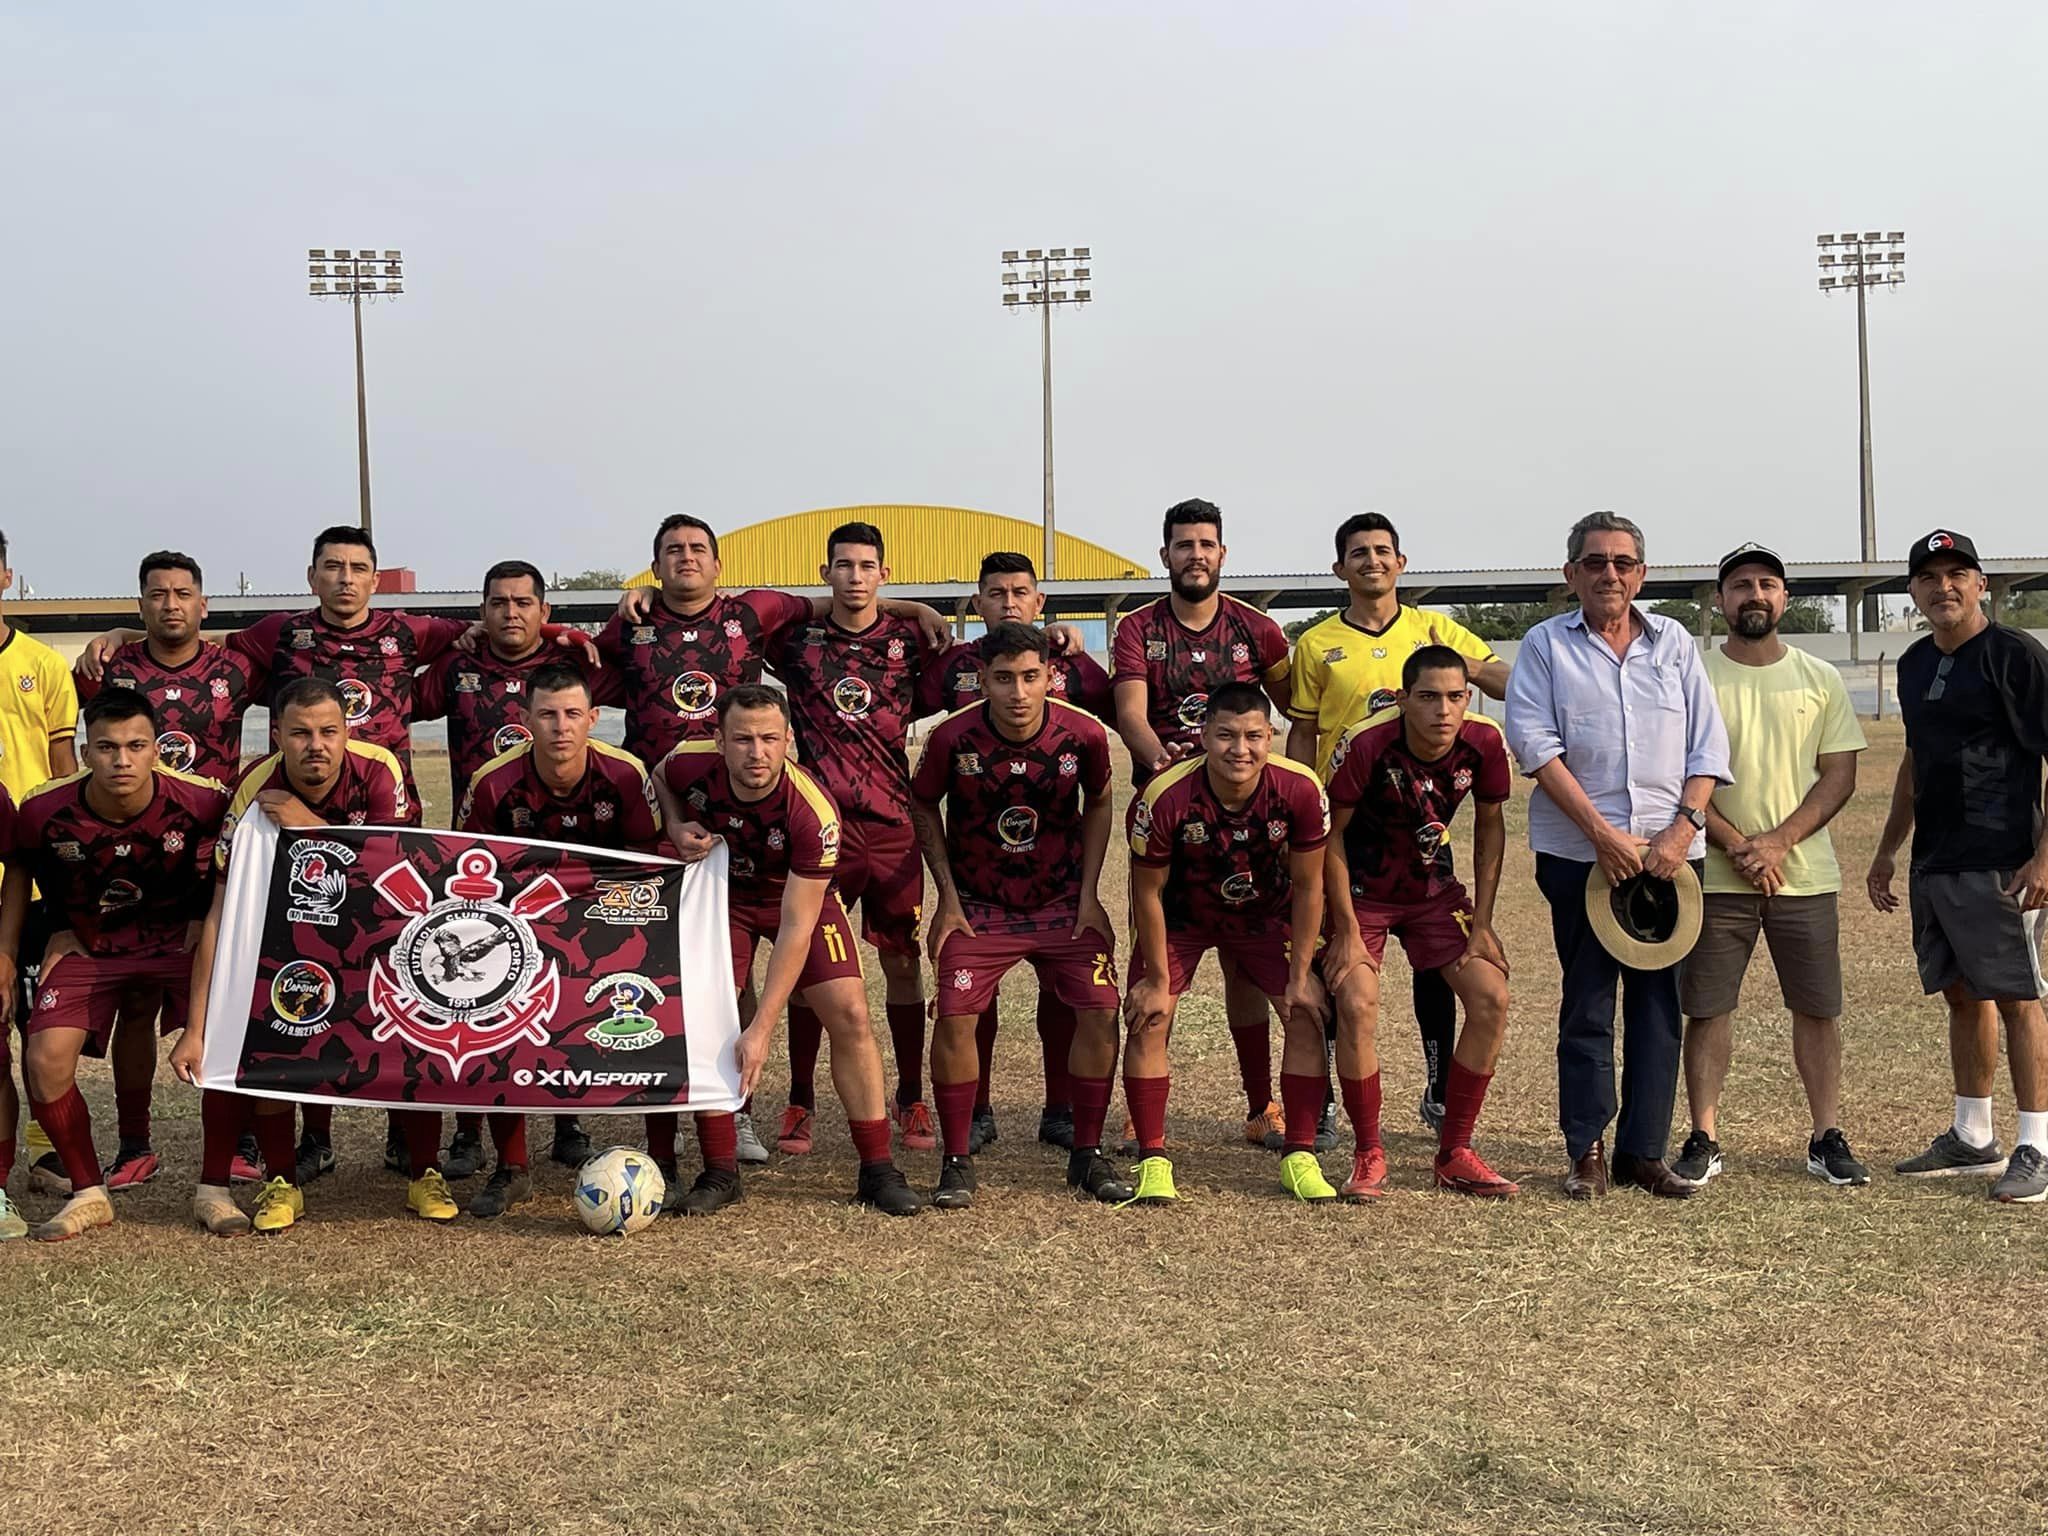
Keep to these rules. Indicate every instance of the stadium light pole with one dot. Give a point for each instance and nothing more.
(1874, 259)
(1039, 278)
(355, 277)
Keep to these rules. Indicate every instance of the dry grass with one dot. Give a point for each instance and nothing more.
(1776, 1356)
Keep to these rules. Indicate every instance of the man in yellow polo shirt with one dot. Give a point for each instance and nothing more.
(1792, 743)
(1348, 667)
(38, 719)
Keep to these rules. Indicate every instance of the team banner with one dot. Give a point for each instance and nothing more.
(442, 970)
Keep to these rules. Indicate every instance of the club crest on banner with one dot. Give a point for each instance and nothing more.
(466, 976)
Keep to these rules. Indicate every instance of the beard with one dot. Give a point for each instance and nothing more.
(1192, 587)
(1754, 623)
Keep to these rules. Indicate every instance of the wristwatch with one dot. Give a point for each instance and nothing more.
(1698, 818)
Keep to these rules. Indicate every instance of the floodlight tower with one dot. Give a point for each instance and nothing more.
(1874, 259)
(354, 278)
(1039, 277)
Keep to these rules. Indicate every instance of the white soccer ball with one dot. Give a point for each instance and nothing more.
(619, 1191)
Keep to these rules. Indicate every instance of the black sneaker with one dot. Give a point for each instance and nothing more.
(1830, 1158)
(883, 1187)
(396, 1158)
(504, 1188)
(247, 1167)
(671, 1181)
(1431, 1113)
(464, 1156)
(1949, 1156)
(1699, 1159)
(1056, 1126)
(1089, 1173)
(1326, 1129)
(315, 1160)
(715, 1189)
(2025, 1181)
(572, 1143)
(983, 1131)
(957, 1185)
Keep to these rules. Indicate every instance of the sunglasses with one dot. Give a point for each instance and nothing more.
(1939, 686)
(1624, 565)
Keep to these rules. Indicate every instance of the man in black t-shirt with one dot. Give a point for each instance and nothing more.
(1974, 696)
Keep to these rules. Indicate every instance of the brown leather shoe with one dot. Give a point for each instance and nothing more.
(1588, 1178)
(1654, 1175)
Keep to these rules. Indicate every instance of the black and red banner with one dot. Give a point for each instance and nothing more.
(418, 969)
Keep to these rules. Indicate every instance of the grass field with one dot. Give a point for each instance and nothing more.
(1774, 1356)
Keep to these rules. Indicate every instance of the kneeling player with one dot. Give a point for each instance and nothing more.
(1016, 861)
(318, 777)
(1396, 781)
(782, 833)
(122, 852)
(1226, 854)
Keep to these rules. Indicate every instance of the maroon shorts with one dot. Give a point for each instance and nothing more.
(86, 992)
(1080, 972)
(879, 867)
(833, 956)
(1262, 959)
(1433, 933)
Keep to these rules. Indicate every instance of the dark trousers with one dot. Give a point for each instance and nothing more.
(1652, 1029)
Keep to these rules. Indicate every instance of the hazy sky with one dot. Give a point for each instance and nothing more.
(1482, 267)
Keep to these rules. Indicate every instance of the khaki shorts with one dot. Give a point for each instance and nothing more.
(1804, 933)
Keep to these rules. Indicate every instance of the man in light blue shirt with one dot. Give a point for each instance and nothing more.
(1610, 711)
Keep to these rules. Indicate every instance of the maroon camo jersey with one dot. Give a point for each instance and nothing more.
(123, 887)
(853, 697)
(672, 666)
(1397, 842)
(792, 830)
(613, 806)
(370, 791)
(1181, 667)
(1013, 813)
(952, 680)
(484, 698)
(1229, 872)
(199, 706)
(372, 664)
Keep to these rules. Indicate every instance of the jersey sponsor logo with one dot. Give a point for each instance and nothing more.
(1199, 655)
(689, 637)
(302, 639)
(1017, 826)
(1334, 654)
(828, 841)
(1379, 653)
(1193, 711)
(967, 682)
(1155, 650)
(697, 798)
(301, 998)
(317, 882)
(522, 818)
(1461, 780)
(694, 693)
(118, 896)
(630, 1026)
(220, 688)
(1238, 889)
(1429, 837)
(1343, 751)
(177, 750)
(628, 903)
(356, 699)
(515, 685)
(469, 682)
(467, 976)
(509, 736)
(1141, 821)
(1194, 832)
(69, 851)
(742, 866)
(174, 842)
(1018, 767)
(852, 697)
(643, 634)
(120, 682)
(967, 764)
(174, 694)
(1240, 653)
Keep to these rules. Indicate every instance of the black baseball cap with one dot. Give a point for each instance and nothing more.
(1943, 541)
(1749, 554)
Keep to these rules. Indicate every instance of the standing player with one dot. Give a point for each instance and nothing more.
(1166, 660)
(122, 853)
(484, 696)
(38, 718)
(1396, 781)
(1226, 854)
(1008, 593)
(782, 834)
(1349, 667)
(560, 786)
(677, 650)
(852, 679)
(199, 691)
(1016, 861)
(318, 777)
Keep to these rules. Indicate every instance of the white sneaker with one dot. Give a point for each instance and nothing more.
(750, 1148)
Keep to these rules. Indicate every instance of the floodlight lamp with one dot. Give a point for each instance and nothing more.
(1009, 298)
(341, 255)
(316, 255)
(1082, 295)
(391, 256)
(1080, 274)
(1034, 255)
(1009, 255)
(1896, 236)
(1872, 236)
(1827, 240)
(320, 288)
(1080, 253)
(1827, 261)
(1038, 298)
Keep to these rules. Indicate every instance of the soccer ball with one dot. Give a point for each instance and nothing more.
(619, 1191)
